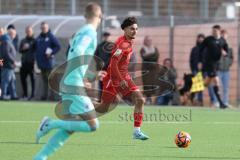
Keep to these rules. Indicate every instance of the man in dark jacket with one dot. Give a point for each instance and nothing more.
(27, 49)
(195, 55)
(47, 46)
(214, 48)
(8, 78)
(195, 58)
(223, 70)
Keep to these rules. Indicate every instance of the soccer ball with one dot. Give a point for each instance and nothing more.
(183, 139)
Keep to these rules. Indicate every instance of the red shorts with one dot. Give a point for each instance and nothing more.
(111, 91)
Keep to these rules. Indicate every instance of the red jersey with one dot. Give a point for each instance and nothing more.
(120, 58)
(118, 71)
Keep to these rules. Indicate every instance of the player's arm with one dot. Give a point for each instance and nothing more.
(116, 57)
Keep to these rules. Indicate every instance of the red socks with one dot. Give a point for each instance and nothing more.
(138, 117)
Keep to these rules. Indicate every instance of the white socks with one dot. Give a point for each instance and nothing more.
(136, 129)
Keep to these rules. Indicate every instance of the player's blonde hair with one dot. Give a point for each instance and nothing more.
(91, 10)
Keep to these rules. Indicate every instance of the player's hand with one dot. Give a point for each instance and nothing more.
(224, 53)
(1, 62)
(101, 75)
(123, 84)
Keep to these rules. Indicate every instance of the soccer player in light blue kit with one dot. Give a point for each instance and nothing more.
(84, 42)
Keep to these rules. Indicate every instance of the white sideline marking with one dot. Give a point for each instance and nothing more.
(123, 122)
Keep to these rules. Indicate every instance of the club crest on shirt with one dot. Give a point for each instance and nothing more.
(117, 52)
(86, 40)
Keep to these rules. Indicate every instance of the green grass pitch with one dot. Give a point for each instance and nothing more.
(215, 134)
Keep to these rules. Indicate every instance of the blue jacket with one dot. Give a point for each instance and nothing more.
(43, 42)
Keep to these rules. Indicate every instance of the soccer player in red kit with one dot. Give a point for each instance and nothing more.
(118, 81)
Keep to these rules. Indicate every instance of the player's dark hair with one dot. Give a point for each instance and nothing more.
(217, 27)
(128, 22)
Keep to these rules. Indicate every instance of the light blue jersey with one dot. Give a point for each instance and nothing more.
(83, 43)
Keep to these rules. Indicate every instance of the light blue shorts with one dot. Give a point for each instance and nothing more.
(80, 104)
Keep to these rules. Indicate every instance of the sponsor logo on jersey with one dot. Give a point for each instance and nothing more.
(86, 40)
(117, 52)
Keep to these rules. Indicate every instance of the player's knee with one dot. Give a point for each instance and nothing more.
(95, 126)
(140, 101)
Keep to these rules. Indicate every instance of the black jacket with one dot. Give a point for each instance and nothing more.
(103, 52)
(7, 53)
(211, 49)
(195, 58)
(28, 55)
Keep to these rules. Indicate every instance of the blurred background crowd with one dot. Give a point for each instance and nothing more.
(170, 34)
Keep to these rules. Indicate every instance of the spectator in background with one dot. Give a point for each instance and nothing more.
(8, 78)
(47, 46)
(150, 55)
(171, 76)
(195, 58)
(12, 32)
(224, 65)
(13, 36)
(214, 47)
(1, 60)
(3, 33)
(27, 49)
(1, 64)
(132, 64)
(69, 45)
(103, 52)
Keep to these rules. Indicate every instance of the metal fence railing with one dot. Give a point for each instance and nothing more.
(155, 8)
